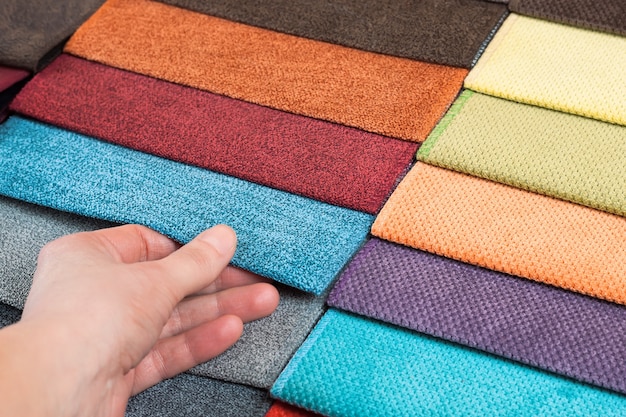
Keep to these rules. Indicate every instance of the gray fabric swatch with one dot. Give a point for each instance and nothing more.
(193, 396)
(24, 229)
(267, 344)
(8, 315)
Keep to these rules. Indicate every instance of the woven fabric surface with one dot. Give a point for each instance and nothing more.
(392, 96)
(509, 230)
(10, 76)
(557, 154)
(604, 15)
(292, 239)
(194, 396)
(551, 328)
(387, 28)
(8, 315)
(293, 153)
(555, 66)
(361, 367)
(280, 409)
(33, 30)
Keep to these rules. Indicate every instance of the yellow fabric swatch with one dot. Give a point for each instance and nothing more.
(555, 66)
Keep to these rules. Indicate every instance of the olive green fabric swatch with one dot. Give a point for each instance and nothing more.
(548, 152)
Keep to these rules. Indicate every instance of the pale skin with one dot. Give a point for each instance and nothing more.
(115, 311)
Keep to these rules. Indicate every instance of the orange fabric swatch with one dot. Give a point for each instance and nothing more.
(507, 229)
(383, 94)
(280, 409)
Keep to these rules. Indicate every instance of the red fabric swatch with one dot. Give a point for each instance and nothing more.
(10, 76)
(280, 409)
(317, 159)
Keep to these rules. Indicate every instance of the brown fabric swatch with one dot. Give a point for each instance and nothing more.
(388, 95)
(603, 15)
(448, 32)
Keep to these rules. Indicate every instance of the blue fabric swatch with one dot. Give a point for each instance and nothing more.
(295, 240)
(361, 367)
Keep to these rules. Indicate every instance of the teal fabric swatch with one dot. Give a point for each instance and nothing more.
(292, 239)
(354, 366)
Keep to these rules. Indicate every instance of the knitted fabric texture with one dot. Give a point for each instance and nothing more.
(378, 93)
(292, 239)
(507, 229)
(554, 329)
(280, 409)
(557, 154)
(32, 30)
(555, 66)
(10, 76)
(387, 28)
(604, 15)
(361, 367)
(293, 153)
(24, 230)
(193, 396)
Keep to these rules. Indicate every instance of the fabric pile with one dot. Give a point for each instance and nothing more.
(437, 188)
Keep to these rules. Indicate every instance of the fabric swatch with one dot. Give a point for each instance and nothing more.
(509, 230)
(280, 409)
(8, 315)
(361, 367)
(10, 76)
(603, 15)
(193, 396)
(24, 230)
(392, 96)
(267, 344)
(291, 239)
(293, 153)
(33, 31)
(551, 328)
(386, 28)
(557, 154)
(555, 66)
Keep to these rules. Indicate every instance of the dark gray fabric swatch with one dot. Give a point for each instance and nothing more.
(32, 31)
(194, 396)
(448, 32)
(8, 315)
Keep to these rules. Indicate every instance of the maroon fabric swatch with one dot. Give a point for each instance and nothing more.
(10, 76)
(317, 159)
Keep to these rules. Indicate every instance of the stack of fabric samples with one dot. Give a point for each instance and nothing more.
(437, 188)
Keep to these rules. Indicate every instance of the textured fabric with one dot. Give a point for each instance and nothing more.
(554, 329)
(193, 396)
(33, 29)
(281, 150)
(8, 315)
(557, 154)
(10, 76)
(385, 27)
(507, 229)
(555, 66)
(267, 344)
(294, 240)
(24, 230)
(393, 96)
(604, 15)
(280, 409)
(352, 366)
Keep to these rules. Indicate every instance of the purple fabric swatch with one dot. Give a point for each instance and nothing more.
(547, 327)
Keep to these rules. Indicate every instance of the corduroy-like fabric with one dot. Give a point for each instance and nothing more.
(10, 76)
(557, 154)
(193, 396)
(281, 150)
(24, 230)
(292, 239)
(386, 27)
(507, 229)
(392, 96)
(353, 366)
(555, 66)
(604, 15)
(33, 30)
(267, 344)
(551, 328)
(280, 409)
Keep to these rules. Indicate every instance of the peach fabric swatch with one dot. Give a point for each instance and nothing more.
(383, 94)
(507, 229)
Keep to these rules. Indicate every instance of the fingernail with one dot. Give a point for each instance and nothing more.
(221, 237)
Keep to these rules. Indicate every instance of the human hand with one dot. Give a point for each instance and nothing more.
(115, 311)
